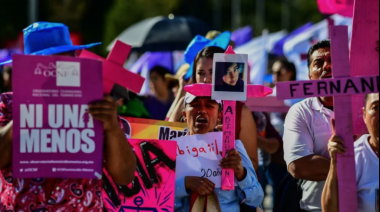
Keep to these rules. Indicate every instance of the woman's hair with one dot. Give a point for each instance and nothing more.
(207, 52)
(161, 71)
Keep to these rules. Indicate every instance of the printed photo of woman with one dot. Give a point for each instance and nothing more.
(229, 77)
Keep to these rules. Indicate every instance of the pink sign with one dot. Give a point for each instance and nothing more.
(330, 87)
(113, 70)
(53, 135)
(154, 185)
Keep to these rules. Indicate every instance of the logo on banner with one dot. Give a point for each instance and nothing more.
(66, 73)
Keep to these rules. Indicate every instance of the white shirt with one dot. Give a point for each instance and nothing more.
(367, 176)
(307, 132)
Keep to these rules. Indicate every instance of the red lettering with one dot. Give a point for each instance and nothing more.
(181, 152)
(217, 149)
(202, 150)
(195, 150)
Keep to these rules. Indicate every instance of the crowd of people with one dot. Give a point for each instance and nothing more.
(295, 153)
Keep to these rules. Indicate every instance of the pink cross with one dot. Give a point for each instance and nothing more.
(229, 120)
(113, 70)
(342, 87)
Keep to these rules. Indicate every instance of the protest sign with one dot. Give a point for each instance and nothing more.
(267, 104)
(328, 87)
(53, 135)
(199, 156)
(154, 184)
(153, 129)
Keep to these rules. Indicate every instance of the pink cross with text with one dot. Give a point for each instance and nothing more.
(229, 120)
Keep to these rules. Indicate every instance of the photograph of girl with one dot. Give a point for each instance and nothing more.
(229, 77)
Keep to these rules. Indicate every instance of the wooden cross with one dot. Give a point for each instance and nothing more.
(113, 70)
(229, 122)
(342, 87)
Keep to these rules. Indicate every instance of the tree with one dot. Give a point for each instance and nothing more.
(124, 13)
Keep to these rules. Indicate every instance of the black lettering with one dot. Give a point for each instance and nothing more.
(292, 88)
(143, 175)
(350, 84)
(147, 148)
(306, 88)
(133, 191)
(173, 134)
(322, 86)
(366, 85)
(180, 134)
(229, 110)
(335, 88)
(164, 133)
(111, 193)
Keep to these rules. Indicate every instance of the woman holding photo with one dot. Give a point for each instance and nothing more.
(202, 116)
(245, 124)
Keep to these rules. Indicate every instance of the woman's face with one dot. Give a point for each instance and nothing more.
(157, 84)
(371, 115)
(202, 115)
(232, 75)
(204, 70)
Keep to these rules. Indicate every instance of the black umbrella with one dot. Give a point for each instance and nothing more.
(162, 34)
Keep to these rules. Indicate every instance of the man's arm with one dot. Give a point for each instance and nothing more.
(6, 145)
(311, 168)
(120, 158)
(330, 195)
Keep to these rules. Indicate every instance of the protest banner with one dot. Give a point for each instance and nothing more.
(153, 129)
(53, 135)
(153, 187)
(199, 156)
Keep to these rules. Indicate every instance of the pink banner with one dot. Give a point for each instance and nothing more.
(154, 185)
(54, 136)
(229, 119)
(328, 87)
(341, 7)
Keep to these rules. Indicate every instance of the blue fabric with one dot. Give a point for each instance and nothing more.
(44, 38)
(248, 190)
(199, 43)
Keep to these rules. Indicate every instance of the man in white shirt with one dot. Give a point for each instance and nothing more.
(308, 130)
(367, 164)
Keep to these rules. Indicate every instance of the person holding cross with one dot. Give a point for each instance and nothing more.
(202, 114)
(367, 163)
(308, 130)
(53, 195)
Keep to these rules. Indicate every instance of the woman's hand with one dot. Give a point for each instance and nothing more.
(233, 161)
(106, 112)
(201, 186)
(335, 146)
